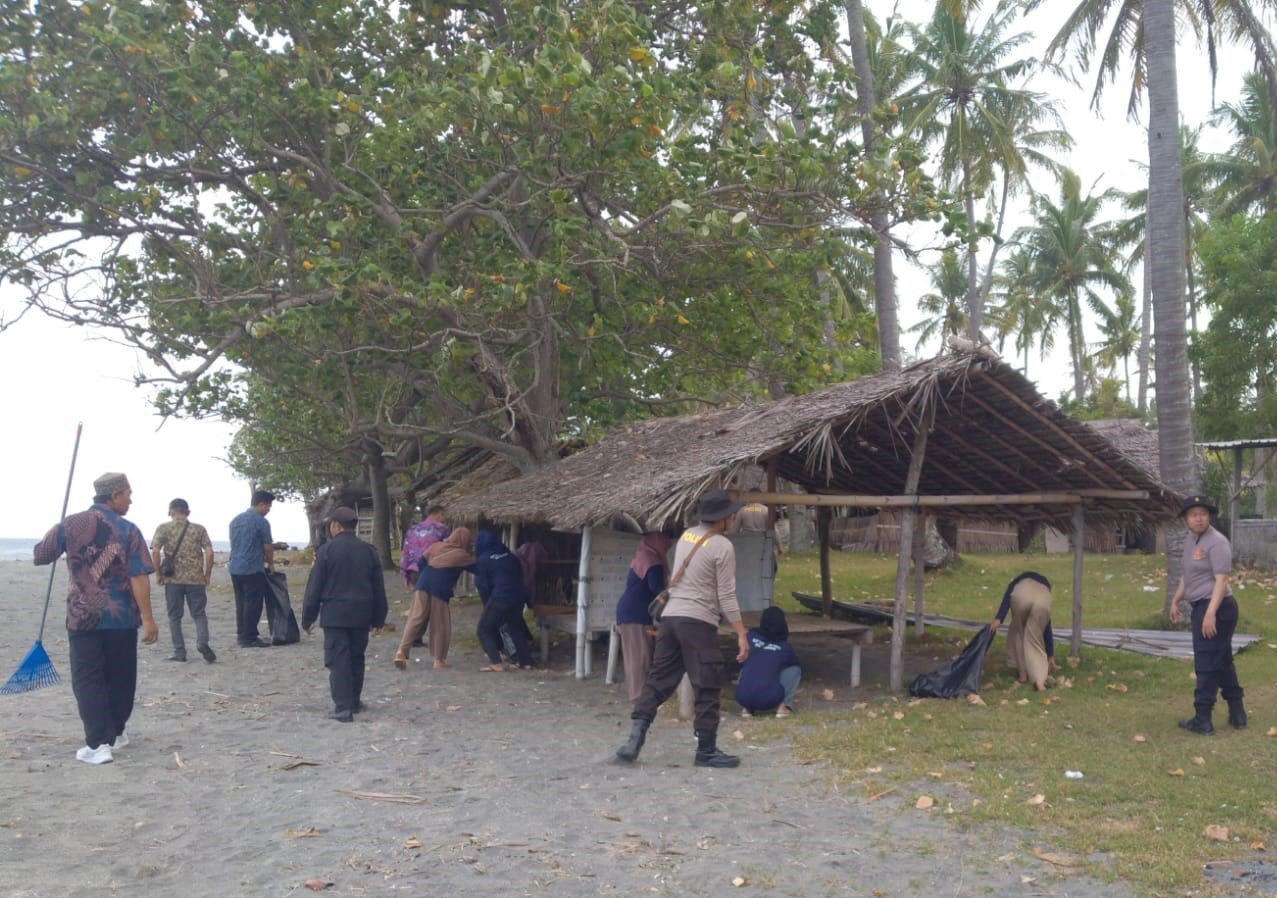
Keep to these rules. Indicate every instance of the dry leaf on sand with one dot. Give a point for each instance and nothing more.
(827, 695)
(1272, 731)
(452, 708)
(317, 885)
(1139, 738)
(899, 715)
(1199, 761)
(608, 815)
(1051, 857)
(738, 735)
(739, 881)
(1116, 687)
(1178, 771)
(1036, 800)
(308, 833)
(1216, 833)
(300, 762)
(924, 802)
(414, 842)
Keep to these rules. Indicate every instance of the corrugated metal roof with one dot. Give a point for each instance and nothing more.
(1240, 444)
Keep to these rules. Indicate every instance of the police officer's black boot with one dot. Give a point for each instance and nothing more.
(1236, 714)
(708, 755)
(1200, 721)
(638, 735)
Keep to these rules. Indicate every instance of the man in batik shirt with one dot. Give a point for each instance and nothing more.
(109, 598)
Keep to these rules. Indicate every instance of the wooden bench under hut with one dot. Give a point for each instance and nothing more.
(960, 437)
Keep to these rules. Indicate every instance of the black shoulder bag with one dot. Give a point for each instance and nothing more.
(169, 567)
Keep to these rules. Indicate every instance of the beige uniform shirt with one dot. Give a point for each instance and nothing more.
(707, 588)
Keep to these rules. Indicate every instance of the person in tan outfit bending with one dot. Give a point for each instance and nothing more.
(1030, 642)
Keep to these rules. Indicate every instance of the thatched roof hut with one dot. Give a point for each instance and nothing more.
(990, 435)
(1132, 439)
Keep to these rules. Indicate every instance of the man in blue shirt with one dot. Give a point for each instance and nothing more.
(109, 597)
(252, 557)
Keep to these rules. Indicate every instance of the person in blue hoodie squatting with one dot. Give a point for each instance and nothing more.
(770, 675)
(499, 579)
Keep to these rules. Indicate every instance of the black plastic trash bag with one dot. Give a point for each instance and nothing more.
(279, 611)
(960, 676)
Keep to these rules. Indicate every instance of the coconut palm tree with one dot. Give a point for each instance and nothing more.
(946, 311)
(965, 101)
(1074, 254)
(1121, 332)
(1144, 33)
(1248, 171)
(1019, 309)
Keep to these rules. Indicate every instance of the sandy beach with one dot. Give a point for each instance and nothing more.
(452, 783)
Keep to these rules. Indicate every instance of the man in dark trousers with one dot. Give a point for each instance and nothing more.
(252, 558)
(108, 600)
(702, 590)
(346, 593)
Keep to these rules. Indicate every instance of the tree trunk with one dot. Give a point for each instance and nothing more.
(1146, 325)
(381, 505)
(1165, 223)
(1192, 326)
(884, 277)
(974, 308)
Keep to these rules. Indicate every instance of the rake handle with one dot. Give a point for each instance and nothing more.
(66, 501)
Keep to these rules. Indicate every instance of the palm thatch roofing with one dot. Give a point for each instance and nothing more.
(1132, 439)
(991, 433)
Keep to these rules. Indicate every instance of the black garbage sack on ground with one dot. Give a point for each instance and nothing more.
(279, 611)
(960, 676)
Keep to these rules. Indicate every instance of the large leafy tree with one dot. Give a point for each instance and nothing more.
(509, 222)
(1239, 265)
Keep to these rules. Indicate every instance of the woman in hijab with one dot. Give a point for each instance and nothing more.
(648, 575)
(499, 579)
(1030, 642)
(441, 567)
(770, 675)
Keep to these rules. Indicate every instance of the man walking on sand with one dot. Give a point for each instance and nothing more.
(346, 593)
(109, 597)
(702, 590)
(182, 555)
(252, 558)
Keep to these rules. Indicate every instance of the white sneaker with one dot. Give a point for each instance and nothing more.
(121, 741)
(99, 755)
(745, 712)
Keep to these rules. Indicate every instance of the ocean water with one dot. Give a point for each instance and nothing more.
(20, 549)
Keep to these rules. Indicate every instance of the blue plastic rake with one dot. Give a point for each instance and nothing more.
(36, 670)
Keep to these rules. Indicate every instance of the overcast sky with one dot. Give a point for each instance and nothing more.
(55, 375)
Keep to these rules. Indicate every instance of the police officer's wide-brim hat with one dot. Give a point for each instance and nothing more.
(716, 505)
(1198, 501)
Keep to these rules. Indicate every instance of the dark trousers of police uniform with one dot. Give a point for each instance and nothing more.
(684, 645)
(104, 680)
(344, 649)
(1213, 657)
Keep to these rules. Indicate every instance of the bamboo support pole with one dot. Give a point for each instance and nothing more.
(826, 581)
(919, 568)
(1079, 543)
(907, 522)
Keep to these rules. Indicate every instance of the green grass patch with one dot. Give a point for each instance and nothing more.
(1148, 789)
